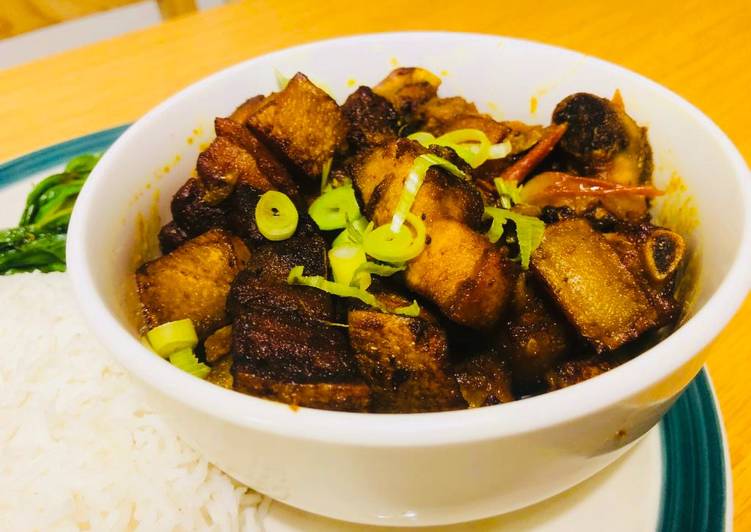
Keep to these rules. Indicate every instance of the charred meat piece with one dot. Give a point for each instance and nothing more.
(469, 278)
(263, 284)
(303, 124)
(442, 115)
(379, 176)
(575, 371)
(405, 361)
(286, 346)
(372, 119)
(603, 140)
(484, 379)
(538, 337)
(407, 88)
(192, 213)
(171, 236)
(241, 214)
(590, 284)
(192, 281)
(343, 396)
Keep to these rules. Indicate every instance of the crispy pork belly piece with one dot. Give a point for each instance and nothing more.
(343, 396)
(303, 124)
(379, 176)
(575, 371)
(484, 379)
(372, 119)
(603, 140)
(218, 344)
(407, 88)
(469, 278)
(192, 281)
(192, 213)
(241, 214)
(286, 346)
(590, 284)
(171, 236)
(442, 115)
(538, 338)
(247, 108)
(405, 361)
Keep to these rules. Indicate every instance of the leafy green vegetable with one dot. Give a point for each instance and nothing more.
(38, 243)
(529, 230)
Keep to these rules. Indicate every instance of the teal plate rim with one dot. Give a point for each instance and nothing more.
(694, 488)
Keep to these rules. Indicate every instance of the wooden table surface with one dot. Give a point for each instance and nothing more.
(699, 49)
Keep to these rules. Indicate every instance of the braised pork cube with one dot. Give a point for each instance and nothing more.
(192, 214)
(538, 337)
(236, 156)
(192, 281)
(575, 371)
(295, 359)
(442, 115)
(372, 119)
(221, 372)
(407, 88)
(263, 284)
(590, 284)
(405, 361)
(379, 176)
(484, 379)
(303, 124)
(603, 140)
(469, 278)
(343, 396)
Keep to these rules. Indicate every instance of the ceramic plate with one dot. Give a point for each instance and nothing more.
(676, 479)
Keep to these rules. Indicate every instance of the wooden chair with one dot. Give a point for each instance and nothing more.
(20, 16)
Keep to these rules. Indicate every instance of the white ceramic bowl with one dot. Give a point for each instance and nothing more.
(415, 469)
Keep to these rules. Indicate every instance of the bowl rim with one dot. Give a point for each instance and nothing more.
(423, 429)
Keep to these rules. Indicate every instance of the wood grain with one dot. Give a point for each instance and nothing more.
(19, 16)
(699, 49)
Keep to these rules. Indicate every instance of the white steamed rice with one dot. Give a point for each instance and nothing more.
(79, 450)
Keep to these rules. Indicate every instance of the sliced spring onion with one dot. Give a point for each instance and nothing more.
(185, 360)
(381, 270)
(296, 276)
(281, 79)
(172, 336)
(472, 145)
(386, 245)
(508, 191)
(352, 235)
(325, 173)
(276, 216)
(332, 209)
(529, 230)
(412, 310)
(345, 263)
(500, 150)
(413, 183)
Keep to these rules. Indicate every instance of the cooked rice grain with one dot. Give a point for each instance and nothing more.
(78, 447)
